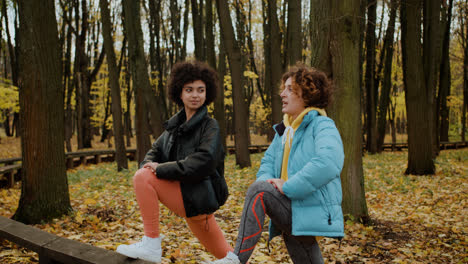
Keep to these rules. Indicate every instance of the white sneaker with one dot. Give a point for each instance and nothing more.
(147, 249)
(230, 258)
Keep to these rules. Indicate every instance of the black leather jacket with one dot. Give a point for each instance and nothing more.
(192, 153)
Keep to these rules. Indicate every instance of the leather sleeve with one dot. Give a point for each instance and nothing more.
(154, 154)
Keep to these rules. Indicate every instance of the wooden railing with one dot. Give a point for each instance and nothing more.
(386, 146)
(11, 170)
(55, 249)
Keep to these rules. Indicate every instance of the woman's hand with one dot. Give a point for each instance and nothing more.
(277, 183)
(152, 166)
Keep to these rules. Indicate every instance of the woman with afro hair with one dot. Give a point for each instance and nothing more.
(184, 169)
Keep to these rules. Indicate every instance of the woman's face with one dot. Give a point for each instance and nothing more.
(193, 95)
(293, 104)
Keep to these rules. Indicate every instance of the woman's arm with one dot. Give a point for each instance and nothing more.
(325, 166)
(154, 154)
(267, 166)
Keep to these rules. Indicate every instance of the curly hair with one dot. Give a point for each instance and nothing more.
(314, 84)
(190, 71)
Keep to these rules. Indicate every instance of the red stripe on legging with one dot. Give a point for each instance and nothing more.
(260, 195)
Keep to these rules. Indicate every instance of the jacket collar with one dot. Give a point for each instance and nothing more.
(280, 127)
(178, 120)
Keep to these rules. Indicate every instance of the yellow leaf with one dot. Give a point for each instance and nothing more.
(89, 201)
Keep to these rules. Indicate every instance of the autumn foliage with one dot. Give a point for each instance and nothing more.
(414, 219)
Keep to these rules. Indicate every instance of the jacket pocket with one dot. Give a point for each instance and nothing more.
(199, 198)
(326, 204)
(220, 188)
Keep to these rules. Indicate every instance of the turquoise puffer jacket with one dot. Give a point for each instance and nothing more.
(313, 185)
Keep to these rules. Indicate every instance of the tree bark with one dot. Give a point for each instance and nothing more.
(140, 78)
(67, 80)
(346, 110)
(83, 110)
(44, 191)
(371, 91)
(219, 107)
(339, 23)
(294, 38)
(464, 35)
(209, 36)
(418, 94)
(120, 151)
(277, 68)
(198, 29)
(432, 52)
(320, 15)
(241, 121)
(444, 79)
(157, 61)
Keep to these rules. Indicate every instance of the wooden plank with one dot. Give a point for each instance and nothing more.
(9, 160)
(10, 168)
(55, 249)
(24, 235)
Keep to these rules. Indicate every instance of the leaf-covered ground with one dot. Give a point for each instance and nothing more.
(415, 219)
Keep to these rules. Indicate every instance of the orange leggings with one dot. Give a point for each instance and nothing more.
(149, 190)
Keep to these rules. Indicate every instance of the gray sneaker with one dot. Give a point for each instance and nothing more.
(230, 258)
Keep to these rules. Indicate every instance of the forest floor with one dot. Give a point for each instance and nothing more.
(414, 219)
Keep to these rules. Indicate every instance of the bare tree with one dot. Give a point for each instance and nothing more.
(120, 151)
(339, 57)
(241, 124)
(44, 191)
(371, 91)
(419, 93)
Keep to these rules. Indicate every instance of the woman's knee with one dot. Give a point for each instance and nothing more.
(142, 175)
(259, 186)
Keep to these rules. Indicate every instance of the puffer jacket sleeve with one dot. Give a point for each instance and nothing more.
(198, 165)
(325, 166)
(267, 166)
(154, 154)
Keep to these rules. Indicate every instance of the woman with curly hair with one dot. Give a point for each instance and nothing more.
(298, 184)
(184, 169)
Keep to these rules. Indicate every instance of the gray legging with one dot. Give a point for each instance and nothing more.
(262, 198)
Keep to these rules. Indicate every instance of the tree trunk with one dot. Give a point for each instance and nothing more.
(198, 34)
(67, 80)
(157, 61)
(338, 23)
(241, 121)
(320, 13)
(346, 110)
(120, 151)
(219, 108)
(209, 36)
(465, 72)
(418, 95)
(277, 68)
(371, 91)
(432, 51)
(294, 39)
(444, 79)
(82, 106)
(386, 85)
(44, 192)
(140, 78)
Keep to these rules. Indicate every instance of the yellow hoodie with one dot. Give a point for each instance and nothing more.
(291, 127)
